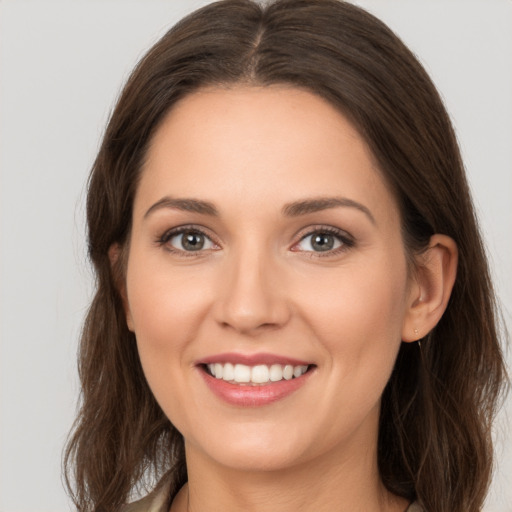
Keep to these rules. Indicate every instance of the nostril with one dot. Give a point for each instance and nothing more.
(249, 325)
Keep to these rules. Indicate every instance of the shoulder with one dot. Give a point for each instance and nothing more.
(415, 507)
(156, 501)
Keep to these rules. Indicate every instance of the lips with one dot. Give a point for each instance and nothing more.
(252, 359)
(253, 380)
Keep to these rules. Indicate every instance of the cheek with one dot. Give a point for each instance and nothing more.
(167, 309)
(358, 325)
(359, 319)
(162, 301)
(365, 299)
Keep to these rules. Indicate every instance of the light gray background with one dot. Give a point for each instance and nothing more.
(62, 65)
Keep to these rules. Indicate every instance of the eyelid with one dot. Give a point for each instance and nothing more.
(167, 235)
(346, 239)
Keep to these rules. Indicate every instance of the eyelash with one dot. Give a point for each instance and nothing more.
(343, 237)
(164, 239)
(346, 240)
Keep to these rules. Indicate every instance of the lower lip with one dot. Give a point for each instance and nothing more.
(253, 396)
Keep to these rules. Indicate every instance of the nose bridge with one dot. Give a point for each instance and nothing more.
(251, 297)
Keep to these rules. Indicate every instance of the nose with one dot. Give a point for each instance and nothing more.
(252, 294)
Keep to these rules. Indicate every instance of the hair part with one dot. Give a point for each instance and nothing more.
(437, 409)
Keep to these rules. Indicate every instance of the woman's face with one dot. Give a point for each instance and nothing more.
(266, 281)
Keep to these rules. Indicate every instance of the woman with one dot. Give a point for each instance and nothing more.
(294, 309)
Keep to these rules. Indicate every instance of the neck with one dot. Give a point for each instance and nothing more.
(347, 484)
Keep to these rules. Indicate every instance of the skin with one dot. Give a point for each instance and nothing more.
(260, 286)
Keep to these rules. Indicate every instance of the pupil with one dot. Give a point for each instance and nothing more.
(323, 242)
(193, 241)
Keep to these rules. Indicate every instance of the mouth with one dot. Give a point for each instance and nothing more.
(255, 375)
(254, 380)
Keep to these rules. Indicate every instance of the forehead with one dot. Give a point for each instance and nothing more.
(256, 144)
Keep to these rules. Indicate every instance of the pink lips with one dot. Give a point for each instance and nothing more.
(252, 359)
(246, 395)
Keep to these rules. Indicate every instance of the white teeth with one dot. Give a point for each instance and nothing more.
(276, 373)
(299, 370)
(228, 372)
(288, 371)
(242, 373)
(218, 371)
(259, 374)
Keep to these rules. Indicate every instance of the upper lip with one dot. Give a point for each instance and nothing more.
(252, 359)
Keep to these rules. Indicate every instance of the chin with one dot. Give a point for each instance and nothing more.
(256, 458)
(254, 448)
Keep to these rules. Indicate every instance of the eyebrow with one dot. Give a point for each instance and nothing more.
(187, 205)
(317, 204)
(295, 209)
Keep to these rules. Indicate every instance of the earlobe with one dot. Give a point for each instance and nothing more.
(115, 257)
(434, 279)
(114, 253)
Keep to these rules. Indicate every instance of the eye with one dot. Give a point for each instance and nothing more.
(319, 242)
(188, 240)
(324, 241)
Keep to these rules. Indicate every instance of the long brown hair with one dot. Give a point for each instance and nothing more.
(437, 409)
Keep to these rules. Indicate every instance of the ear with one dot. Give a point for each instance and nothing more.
(115, 256)
(436, 269)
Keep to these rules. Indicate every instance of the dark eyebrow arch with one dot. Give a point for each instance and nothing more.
(317, 204)
(187, 205)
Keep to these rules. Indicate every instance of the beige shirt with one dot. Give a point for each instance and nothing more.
(157, 502)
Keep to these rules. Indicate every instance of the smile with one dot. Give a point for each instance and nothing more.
(254, 380)
(255, 375)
